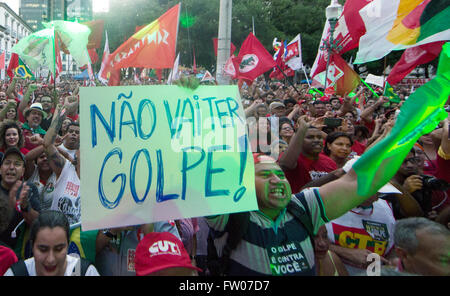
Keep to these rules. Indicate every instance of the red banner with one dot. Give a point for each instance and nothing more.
(151, 47)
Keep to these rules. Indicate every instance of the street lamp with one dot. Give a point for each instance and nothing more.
(332, 13)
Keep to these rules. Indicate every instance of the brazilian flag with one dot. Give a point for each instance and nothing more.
(23, 71)
(389, 92)
(82, 242)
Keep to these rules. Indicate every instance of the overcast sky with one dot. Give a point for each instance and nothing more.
(14, 4)
(98, 5)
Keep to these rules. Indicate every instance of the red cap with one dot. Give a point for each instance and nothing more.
(161, 250)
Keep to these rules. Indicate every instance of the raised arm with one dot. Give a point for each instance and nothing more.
(289, 158)
(367, 113)
(26, 98)
(56, 160)
(10, 91)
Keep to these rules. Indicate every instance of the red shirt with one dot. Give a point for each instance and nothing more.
(23, 150)
(441, 201)
(358, 147)
(308, 170)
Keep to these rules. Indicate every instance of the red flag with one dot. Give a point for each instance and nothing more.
(114, 77)
(342, 76)
(411, 58)
(350, 26)
(95, 38)
(2, 61)
(13, 64)
(349, 29)
(158, 73)
(151, 47)
(105, 68)
(194, 67)
(280, 65)
(93, 55)
(253, 59)
(58, 61)
(232, 46)
(229, 68)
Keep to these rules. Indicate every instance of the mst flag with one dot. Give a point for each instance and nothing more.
(151, 47)
(419, 115)
(253, 60)
(401, 24)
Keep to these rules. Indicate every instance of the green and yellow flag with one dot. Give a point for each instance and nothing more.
(82, 243)
(389, 92)
(419, 115)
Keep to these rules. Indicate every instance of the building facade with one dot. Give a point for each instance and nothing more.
(12, 29)
(34, 12)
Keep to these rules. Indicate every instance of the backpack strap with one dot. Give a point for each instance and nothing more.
(84, 266)
(303, 215)
(19, 268)
(236, 227)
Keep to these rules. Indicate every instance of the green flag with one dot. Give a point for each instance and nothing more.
(37, 49)
(389, 92)
(419, 115)
(74, 38)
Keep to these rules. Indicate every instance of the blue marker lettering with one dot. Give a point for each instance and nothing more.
(104, 201)
(133, 175)
(110, 129)
(186, 167)
(210, 171)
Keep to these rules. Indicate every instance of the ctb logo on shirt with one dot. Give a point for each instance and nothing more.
(164, 247)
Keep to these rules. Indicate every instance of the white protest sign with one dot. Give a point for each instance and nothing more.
(154, 153)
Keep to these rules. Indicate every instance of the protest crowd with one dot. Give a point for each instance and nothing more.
(308, 145)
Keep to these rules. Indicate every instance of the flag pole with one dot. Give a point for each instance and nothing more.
(286, 78)
(370, 88)
(54, 66)
(307, 79)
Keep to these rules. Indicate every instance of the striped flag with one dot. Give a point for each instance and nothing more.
(401, 24)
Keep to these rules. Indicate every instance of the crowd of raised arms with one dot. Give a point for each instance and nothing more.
(311, 219)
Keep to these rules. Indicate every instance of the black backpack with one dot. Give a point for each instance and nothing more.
(236, 227)
(19, 268)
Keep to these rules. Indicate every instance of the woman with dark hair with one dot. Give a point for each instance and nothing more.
(286, 129)
(9, 112)
(50, 241)
(338, 147)
(11, 136)
(65, 126)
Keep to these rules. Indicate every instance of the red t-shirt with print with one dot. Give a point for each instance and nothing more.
(309, 169)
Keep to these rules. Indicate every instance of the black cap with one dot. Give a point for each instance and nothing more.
(13, 150)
